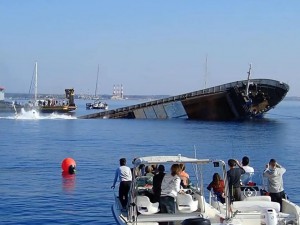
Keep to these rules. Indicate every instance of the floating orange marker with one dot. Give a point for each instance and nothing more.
(68, 165)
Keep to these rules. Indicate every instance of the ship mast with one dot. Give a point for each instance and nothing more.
(205, 76)
(35, 85)
(97, 82)
(248, 81)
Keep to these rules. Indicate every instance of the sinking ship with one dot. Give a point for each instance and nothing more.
(238, 100)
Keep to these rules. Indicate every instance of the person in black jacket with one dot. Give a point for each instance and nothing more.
(157, 179)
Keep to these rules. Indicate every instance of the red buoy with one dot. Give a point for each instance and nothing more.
(68, 165)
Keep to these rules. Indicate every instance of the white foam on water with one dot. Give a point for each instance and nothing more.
(27, 115)
(35, 115)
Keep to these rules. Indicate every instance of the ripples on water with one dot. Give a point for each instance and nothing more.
(33, 190)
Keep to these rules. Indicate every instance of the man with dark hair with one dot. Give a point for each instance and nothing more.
(249, 171)
(157, 179)
(234, 179)
(125, 177)
(274, 173)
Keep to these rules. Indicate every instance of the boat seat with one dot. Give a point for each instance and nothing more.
(144, 206)
(186, 203)
(258, 198)
(250, 206)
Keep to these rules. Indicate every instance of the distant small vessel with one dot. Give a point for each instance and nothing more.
(7, 106)
(97, 104)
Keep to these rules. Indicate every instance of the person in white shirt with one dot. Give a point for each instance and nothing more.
(249, 171)
(125, 177)
(170, 187)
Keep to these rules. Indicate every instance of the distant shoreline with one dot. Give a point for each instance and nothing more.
(17, 96)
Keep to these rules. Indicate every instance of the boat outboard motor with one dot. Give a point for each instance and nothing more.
(270, 217)
(196, 221)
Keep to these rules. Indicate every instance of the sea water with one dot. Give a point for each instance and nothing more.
(34, 191)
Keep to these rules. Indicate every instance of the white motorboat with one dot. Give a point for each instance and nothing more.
(197, 205)
(97, 105)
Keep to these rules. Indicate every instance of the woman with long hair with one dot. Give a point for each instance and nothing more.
(218, 187)
(170, 187)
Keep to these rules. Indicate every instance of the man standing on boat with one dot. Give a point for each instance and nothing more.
(249, 171)
(125, 177)
(274, 173)
(234, 179)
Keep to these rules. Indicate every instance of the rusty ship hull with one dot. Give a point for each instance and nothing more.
(232, 101)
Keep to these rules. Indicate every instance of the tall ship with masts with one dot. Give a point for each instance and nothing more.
(118, 92)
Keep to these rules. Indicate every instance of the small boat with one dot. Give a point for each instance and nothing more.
(51, 105)
(197, 205)
(97, 104)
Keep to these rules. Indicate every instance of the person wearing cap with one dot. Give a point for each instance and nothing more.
(274, 173)
(125, 177)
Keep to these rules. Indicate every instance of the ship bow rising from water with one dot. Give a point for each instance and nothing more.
(236, 100)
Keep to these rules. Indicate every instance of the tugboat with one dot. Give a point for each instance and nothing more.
(51, 105)
(58, 106)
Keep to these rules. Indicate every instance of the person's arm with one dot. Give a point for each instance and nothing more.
(209, 187)
(177, 184)
(267, 172)
(116, 178)
(283, 170)
(240, 166)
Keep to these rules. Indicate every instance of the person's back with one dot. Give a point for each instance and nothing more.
(125, 177)
(170, 187)
(274, 173)
(157, 180)
(149, 171)
(249, 171)
(234, 179)
(218, 187)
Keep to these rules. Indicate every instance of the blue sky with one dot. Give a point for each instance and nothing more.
(151, 47)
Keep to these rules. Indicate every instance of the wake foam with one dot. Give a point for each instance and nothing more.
(35, 115)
